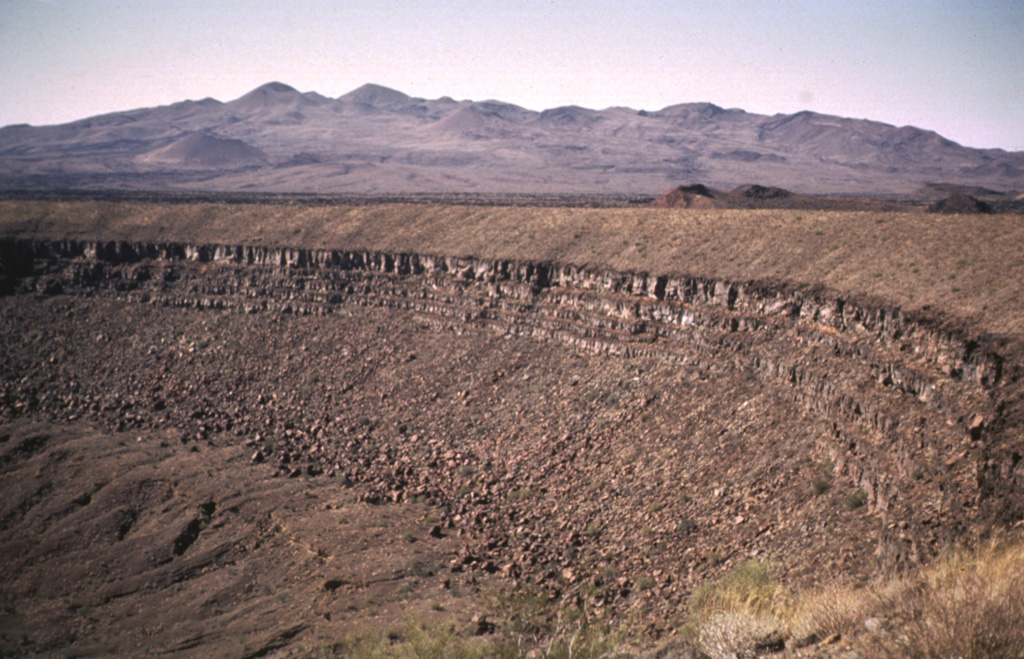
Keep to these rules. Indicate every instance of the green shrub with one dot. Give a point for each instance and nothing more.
(645, 582)
(686, 526)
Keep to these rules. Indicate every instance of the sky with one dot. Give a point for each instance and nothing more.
(953, 67)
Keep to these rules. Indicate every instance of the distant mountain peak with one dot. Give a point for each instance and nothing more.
(474, 120)
(706, 108)
(271, 89)
(569, 116)
(700, 114)
(374, 95)
(277, 88)
(272, 93)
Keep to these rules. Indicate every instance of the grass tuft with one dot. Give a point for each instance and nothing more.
(415, 641)
(748, 589)
(968, 604)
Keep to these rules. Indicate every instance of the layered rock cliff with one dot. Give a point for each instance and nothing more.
(904, 395)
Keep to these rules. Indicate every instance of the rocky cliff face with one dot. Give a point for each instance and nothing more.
(904, 396)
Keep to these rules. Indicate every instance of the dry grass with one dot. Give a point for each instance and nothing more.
(529, 624)
(748, 590)
(830, 612)
(415, 641)
(964, 265)
(730, 635)
(742, 610)
(968, 604)
(526, 625)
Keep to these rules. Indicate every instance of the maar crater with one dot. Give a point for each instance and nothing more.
(608, 434)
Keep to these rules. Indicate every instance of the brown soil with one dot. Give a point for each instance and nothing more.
(130, 544)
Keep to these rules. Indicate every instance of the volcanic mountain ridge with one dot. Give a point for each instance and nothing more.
(376, 140)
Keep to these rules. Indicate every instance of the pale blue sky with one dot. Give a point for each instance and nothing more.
(953, 67)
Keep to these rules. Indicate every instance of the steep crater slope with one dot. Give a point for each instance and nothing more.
(911, 404)
(609, 435)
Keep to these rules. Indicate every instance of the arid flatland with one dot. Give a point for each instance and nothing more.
(965, 266)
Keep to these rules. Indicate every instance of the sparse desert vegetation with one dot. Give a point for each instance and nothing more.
(964, 604)
(967, 603)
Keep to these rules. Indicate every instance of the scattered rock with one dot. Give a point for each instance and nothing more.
(553, 468)
(480, 625)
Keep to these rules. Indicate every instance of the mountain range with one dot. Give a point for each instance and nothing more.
(376, 140)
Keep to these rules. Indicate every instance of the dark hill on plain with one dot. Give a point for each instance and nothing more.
(202, 150)
(753, 195)
(960, 203)
(377, 140)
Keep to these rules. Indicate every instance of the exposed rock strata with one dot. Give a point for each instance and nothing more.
(904, 395)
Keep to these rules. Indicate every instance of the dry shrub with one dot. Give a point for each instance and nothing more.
(831, 610)
(730, 635)
(748, 588)
(969, 604)
(742, 610)
(528, 623)
(415, 641)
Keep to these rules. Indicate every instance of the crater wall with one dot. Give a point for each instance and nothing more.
(903, 394)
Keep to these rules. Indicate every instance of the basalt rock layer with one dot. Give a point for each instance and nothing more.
(890, 384)
(915, 413)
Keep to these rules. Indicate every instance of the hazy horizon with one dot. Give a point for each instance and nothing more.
(939, 66)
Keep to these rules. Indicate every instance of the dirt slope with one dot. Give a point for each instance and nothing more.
(202, 150)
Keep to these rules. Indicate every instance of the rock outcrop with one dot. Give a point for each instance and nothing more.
(904, 395)
(753, 196)
(959, 203)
